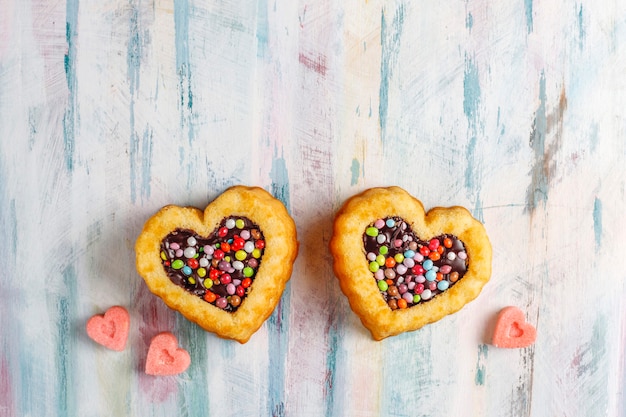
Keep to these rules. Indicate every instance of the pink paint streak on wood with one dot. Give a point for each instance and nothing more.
(7, 407)
(316, 63)
(6, 24)
(49, 30)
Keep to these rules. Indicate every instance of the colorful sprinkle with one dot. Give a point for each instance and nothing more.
(234, 300)
(428, 264)
(221, 302)
(209, 296)
(372, 231)
(408, 270)
(220, 268)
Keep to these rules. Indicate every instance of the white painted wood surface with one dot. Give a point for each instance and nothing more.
(111, 109)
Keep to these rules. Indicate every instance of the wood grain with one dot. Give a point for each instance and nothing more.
(111, 109)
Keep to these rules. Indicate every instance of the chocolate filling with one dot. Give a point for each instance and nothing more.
(219, 268)
(408, 270)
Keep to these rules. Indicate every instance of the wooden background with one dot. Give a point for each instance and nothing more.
(110, 109)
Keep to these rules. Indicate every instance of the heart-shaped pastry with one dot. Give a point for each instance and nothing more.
(165, 357)
(225, 268)
(512, 330)
(110, 329)
(402, 268)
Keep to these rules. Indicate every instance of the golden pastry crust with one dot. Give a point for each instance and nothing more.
(356, 279)
(281, 248)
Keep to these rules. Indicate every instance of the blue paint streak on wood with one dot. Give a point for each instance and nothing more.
(140, 151)
(133, 53)
(355, 169)
(8, 220)
(335, 355)
(331, 373)
(133, 153)
(191, 396)
(471, 107)
(597, 221)
(70, 116)
(278, 321)
(390, 47)
(407, 357)
(471, 92)
(479, 377)
(140, 158)
(528, 8)
(146, 162)
(582, 33)
(280, 180)
(182, 11)
(62, 306)
(9, 347)
(31, 383)
(469, 22)
(594, 354)
(537, 191)
(262, 29)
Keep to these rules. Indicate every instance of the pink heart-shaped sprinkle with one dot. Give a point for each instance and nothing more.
(512, 330)
(110, 329)
(165, 357)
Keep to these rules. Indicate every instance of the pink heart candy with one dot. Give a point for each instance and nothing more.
(165, 357)
(512, 330)
(110, 329)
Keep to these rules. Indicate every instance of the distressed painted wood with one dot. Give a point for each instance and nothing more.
(111, 109)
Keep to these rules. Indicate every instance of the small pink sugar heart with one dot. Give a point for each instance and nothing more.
(512, 330)
(111, 329)
(165, 357)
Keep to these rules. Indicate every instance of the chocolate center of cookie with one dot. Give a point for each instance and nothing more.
(220, 268)
(408, 270)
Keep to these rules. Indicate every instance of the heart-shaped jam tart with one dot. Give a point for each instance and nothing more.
(224, 268)
(402, 268)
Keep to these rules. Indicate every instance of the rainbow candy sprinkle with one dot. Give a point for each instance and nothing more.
(408, 270)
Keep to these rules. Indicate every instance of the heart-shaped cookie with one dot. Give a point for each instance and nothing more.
(110, 329)
(224, 268)
(165, 357)
(402, 268)
(512, 330)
